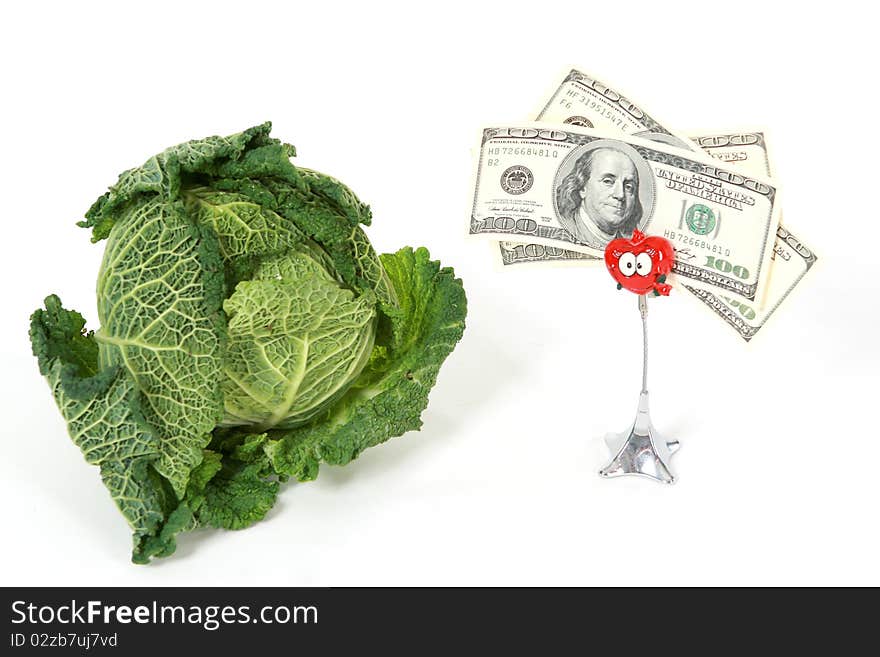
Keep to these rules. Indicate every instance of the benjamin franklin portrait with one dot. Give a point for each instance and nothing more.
(599, 199)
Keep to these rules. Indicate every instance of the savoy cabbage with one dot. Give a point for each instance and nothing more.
(248, 333)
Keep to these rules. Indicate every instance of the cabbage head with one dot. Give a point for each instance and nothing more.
(248, 333)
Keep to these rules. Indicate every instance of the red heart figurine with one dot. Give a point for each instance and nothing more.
(640, 264)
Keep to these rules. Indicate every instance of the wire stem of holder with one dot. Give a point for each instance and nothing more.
(641, 451)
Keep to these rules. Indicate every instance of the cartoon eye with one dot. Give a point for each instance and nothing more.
(627, 264)
(644, 264)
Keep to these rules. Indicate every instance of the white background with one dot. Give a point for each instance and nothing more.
(778, 481)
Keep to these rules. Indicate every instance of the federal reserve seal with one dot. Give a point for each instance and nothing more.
(517, 180)
(700, 219)
(582, 121)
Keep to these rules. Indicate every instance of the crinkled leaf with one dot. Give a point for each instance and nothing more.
(391, 394)
(104, 419)
(161, 174)
(159, 294)
(338, 233)
(164, 543)
(238, 496)
(338, 195)
(295, 342)
(246, 231)
(203, 473)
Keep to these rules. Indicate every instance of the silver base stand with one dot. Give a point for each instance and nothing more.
(641, 450)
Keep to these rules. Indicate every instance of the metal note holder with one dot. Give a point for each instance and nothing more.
(640, 450)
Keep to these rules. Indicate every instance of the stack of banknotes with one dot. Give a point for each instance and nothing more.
(595, 165)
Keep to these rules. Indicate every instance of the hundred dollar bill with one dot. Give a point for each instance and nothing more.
(792, 259)
(576, 189)
(583, 100)
(744, 150)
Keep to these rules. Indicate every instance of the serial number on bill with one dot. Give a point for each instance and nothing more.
(528, 151)
(700, 243)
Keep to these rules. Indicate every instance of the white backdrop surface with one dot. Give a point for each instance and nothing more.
(776, 474)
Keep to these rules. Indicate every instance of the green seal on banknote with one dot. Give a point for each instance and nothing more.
(700, 219)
